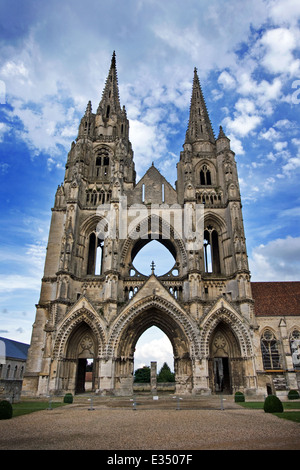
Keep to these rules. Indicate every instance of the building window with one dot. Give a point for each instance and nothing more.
(211, 251)
(295, 348)
(270, 352)
(95, 255)
(205, 176)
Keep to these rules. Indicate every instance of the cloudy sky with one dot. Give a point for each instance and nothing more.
(54, 58)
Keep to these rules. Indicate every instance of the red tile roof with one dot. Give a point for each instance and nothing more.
(276, 298)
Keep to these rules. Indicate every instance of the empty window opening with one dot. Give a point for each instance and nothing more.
(95, 255)
(205, 176)
(207, 256)
(211, 251)
(163, 192)
(157, 252)
(154, 346)
(143, 193)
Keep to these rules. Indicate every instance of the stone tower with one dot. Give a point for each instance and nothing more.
(95, 305)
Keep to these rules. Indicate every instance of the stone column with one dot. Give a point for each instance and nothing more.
(153, 379)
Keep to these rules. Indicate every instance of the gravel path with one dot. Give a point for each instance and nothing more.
(109, 428)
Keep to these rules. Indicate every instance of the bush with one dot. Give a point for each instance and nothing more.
(6, 409)
(273, 405)
(68, 398)
(239, 397)
(293, 395)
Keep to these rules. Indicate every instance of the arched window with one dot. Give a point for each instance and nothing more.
(211, 251)
(102, 161)
(94, 266)
(270, 351)
(295, 348)
(205, 176)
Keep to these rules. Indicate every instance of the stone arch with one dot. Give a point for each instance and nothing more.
(88, 229)
(166, 234)
(80, 337)
(68, 326)
(134, 321)
(227, 347)
(236, 324)
(208, 166)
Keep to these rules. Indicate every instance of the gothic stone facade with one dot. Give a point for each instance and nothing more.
(95, 305)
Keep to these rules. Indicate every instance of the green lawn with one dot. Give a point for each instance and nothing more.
(25, 407)
(287, 406)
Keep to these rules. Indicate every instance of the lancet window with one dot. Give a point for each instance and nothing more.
(211, 251)
(205, 176)
(95, 255)
(270, 351)
(102, 162)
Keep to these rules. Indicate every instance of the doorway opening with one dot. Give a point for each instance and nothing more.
(153, 346)
(222, 375)
(85, 375)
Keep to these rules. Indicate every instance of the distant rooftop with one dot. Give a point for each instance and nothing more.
(14, 349)
(276, 298)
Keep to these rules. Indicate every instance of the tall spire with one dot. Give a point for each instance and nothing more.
(199, 127)
(110, 101)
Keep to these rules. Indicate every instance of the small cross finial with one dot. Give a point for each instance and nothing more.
(152, 267)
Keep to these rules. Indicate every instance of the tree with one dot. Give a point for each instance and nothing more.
(142, 375)
(165, 374)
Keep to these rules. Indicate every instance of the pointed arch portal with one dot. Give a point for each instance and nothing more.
(152, 311)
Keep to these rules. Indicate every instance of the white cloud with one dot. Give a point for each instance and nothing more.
(285, 12)
(242, 124)
(271, 134)
(279, 146)
(276, 260)
(279, 44)
(148, 141)
(236, 145)
(153, 346)
(227, 80)
(3, 129)
(292, 164)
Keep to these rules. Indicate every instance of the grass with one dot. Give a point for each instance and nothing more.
(25, 407)
(287, 406)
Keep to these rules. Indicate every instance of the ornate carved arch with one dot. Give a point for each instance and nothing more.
(153, 310)
(89, 225)
(166, 231)
(234, 322)
(213, 219)
(82, 315)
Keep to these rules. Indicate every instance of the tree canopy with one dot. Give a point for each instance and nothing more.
(143, 375)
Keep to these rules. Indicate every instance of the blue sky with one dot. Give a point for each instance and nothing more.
(54, 58)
